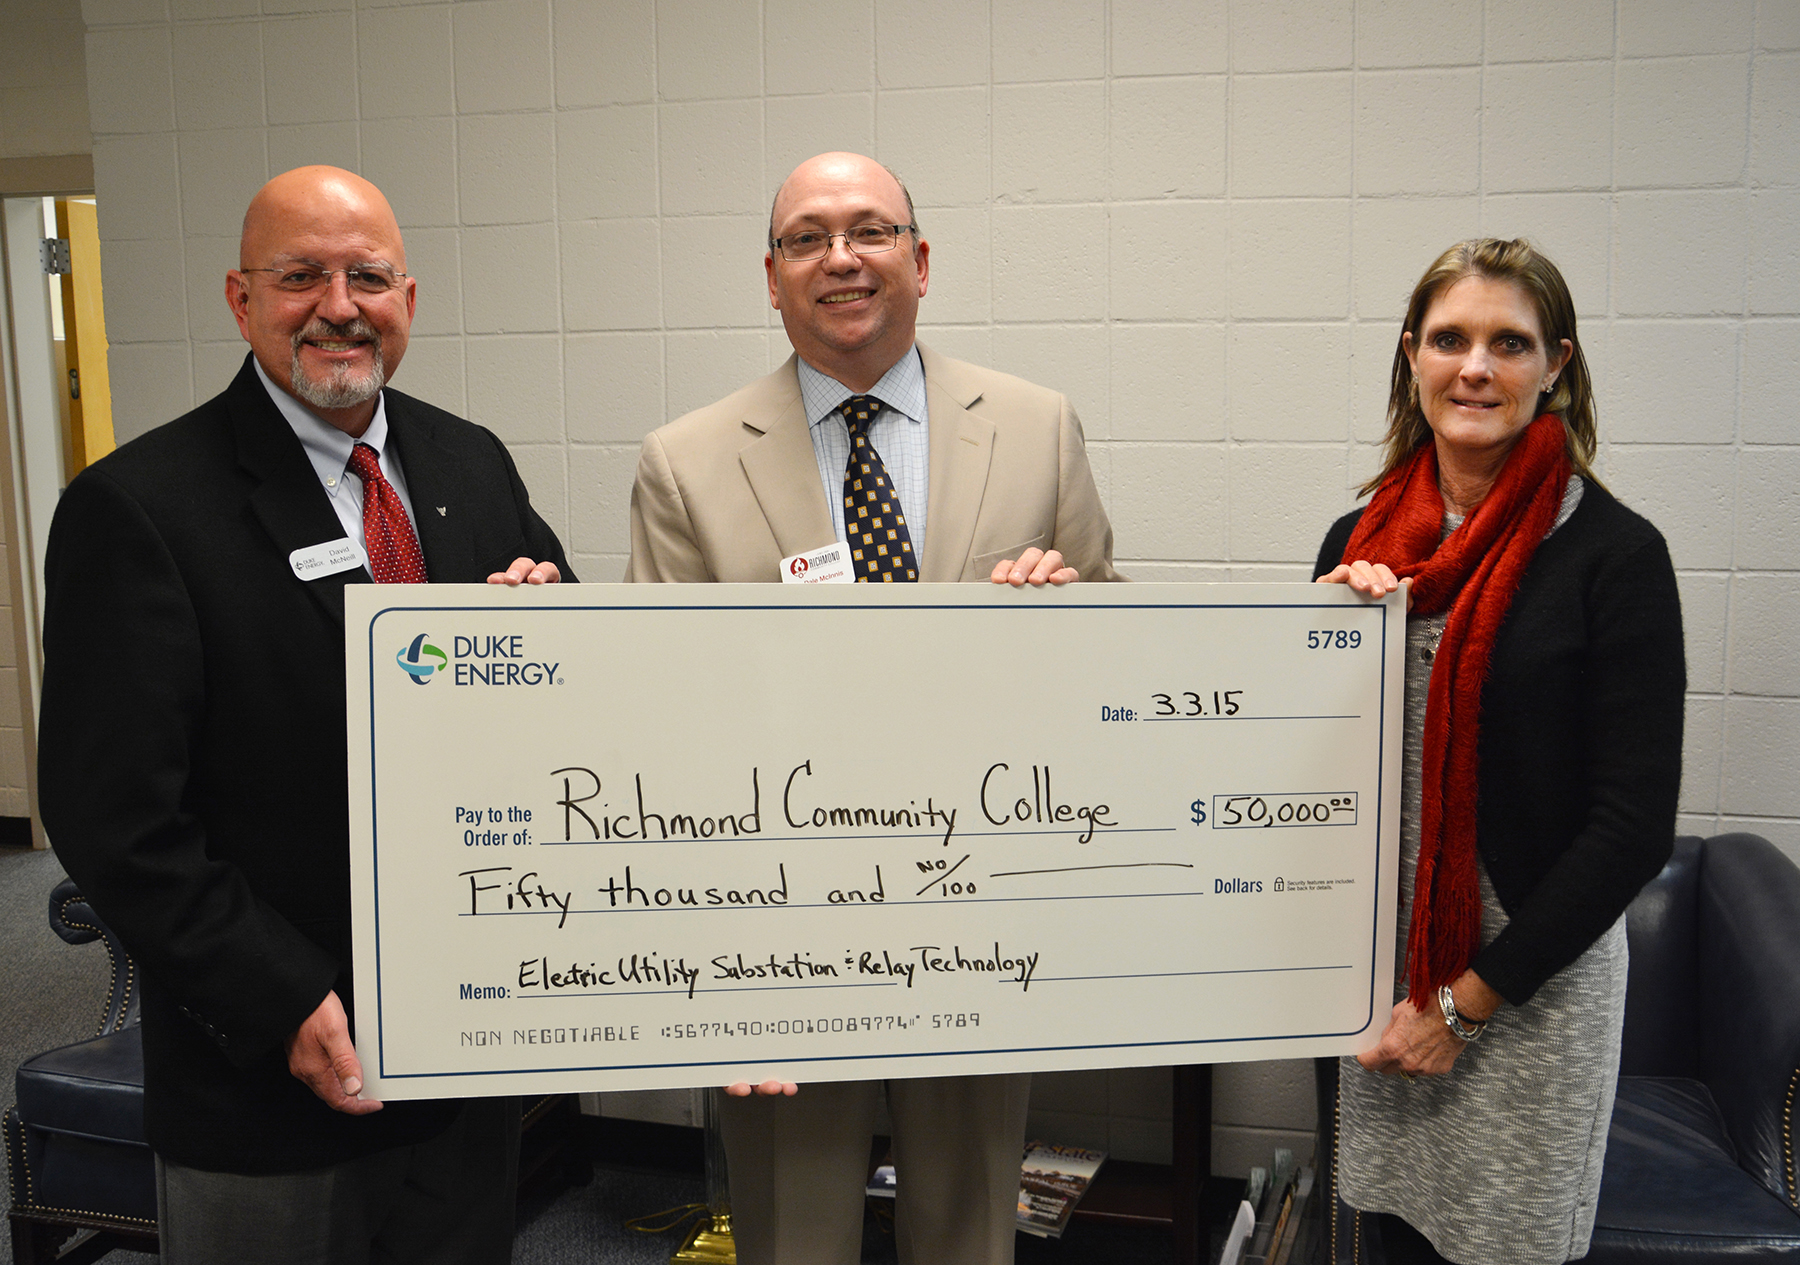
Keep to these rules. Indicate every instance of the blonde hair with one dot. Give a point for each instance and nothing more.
(1521, 264)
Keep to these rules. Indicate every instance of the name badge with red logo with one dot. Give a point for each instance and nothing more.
(830, 565)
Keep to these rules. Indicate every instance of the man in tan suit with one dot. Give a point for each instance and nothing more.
(926, 468)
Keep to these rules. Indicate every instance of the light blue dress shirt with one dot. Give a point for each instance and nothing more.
(901, 434)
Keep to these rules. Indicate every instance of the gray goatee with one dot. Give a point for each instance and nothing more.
(342, 386)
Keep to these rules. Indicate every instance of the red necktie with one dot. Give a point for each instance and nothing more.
(388, 538)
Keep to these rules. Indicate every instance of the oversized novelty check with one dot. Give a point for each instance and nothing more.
(630, 837)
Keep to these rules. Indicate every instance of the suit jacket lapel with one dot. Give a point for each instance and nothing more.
(434, 482)
(962, 450)
(285, 497)
(781, 468)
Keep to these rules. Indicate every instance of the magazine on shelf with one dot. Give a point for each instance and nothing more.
(1237, 1238)
(881, 1178)
(1052, 1180)
(1287, 1241)
(1277, 1234)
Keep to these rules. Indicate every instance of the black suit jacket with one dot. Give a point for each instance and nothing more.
(192, 767)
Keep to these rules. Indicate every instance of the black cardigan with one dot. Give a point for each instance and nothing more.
(1580, 753)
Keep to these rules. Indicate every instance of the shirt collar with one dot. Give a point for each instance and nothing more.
(327, 447)
(901, 389)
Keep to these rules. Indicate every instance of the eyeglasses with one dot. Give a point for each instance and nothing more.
(306, 279)
(864, 239)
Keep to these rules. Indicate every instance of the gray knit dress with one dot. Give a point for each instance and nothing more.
(1497, 1163)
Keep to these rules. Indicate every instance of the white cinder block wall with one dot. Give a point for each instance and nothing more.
(1201, 220)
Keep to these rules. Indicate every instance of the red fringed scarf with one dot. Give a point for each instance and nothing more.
(1474, 572)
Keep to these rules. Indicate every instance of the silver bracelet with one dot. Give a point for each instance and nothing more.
(1454, 1021)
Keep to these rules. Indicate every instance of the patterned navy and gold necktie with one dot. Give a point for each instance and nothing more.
(880, 546)
(388, 537)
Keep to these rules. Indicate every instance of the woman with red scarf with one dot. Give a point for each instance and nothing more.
(1544, 688)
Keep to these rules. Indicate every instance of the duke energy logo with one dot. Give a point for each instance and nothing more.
(421, 660)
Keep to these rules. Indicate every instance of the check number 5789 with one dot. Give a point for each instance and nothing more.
(1333, 639)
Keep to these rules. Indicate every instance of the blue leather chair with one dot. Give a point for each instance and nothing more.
(77, 1161)
(1700, 1162)
(75, 1151)
(1700, 1157)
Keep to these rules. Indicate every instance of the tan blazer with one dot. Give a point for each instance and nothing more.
(726, 492)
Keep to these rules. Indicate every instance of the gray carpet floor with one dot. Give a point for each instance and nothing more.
(50, 995)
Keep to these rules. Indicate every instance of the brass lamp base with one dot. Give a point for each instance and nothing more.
(708, 1243)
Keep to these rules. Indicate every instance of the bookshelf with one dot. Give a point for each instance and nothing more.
(1175, 1194)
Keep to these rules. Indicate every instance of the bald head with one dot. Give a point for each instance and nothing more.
(842, 169)
(318, 200)
(314, 240)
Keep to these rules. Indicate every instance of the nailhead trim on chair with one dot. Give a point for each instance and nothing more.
(1787, 1137)
(15, 1155)
(1337, 1122)
(1337, 1134)
(129, 975)
(81, 1218)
